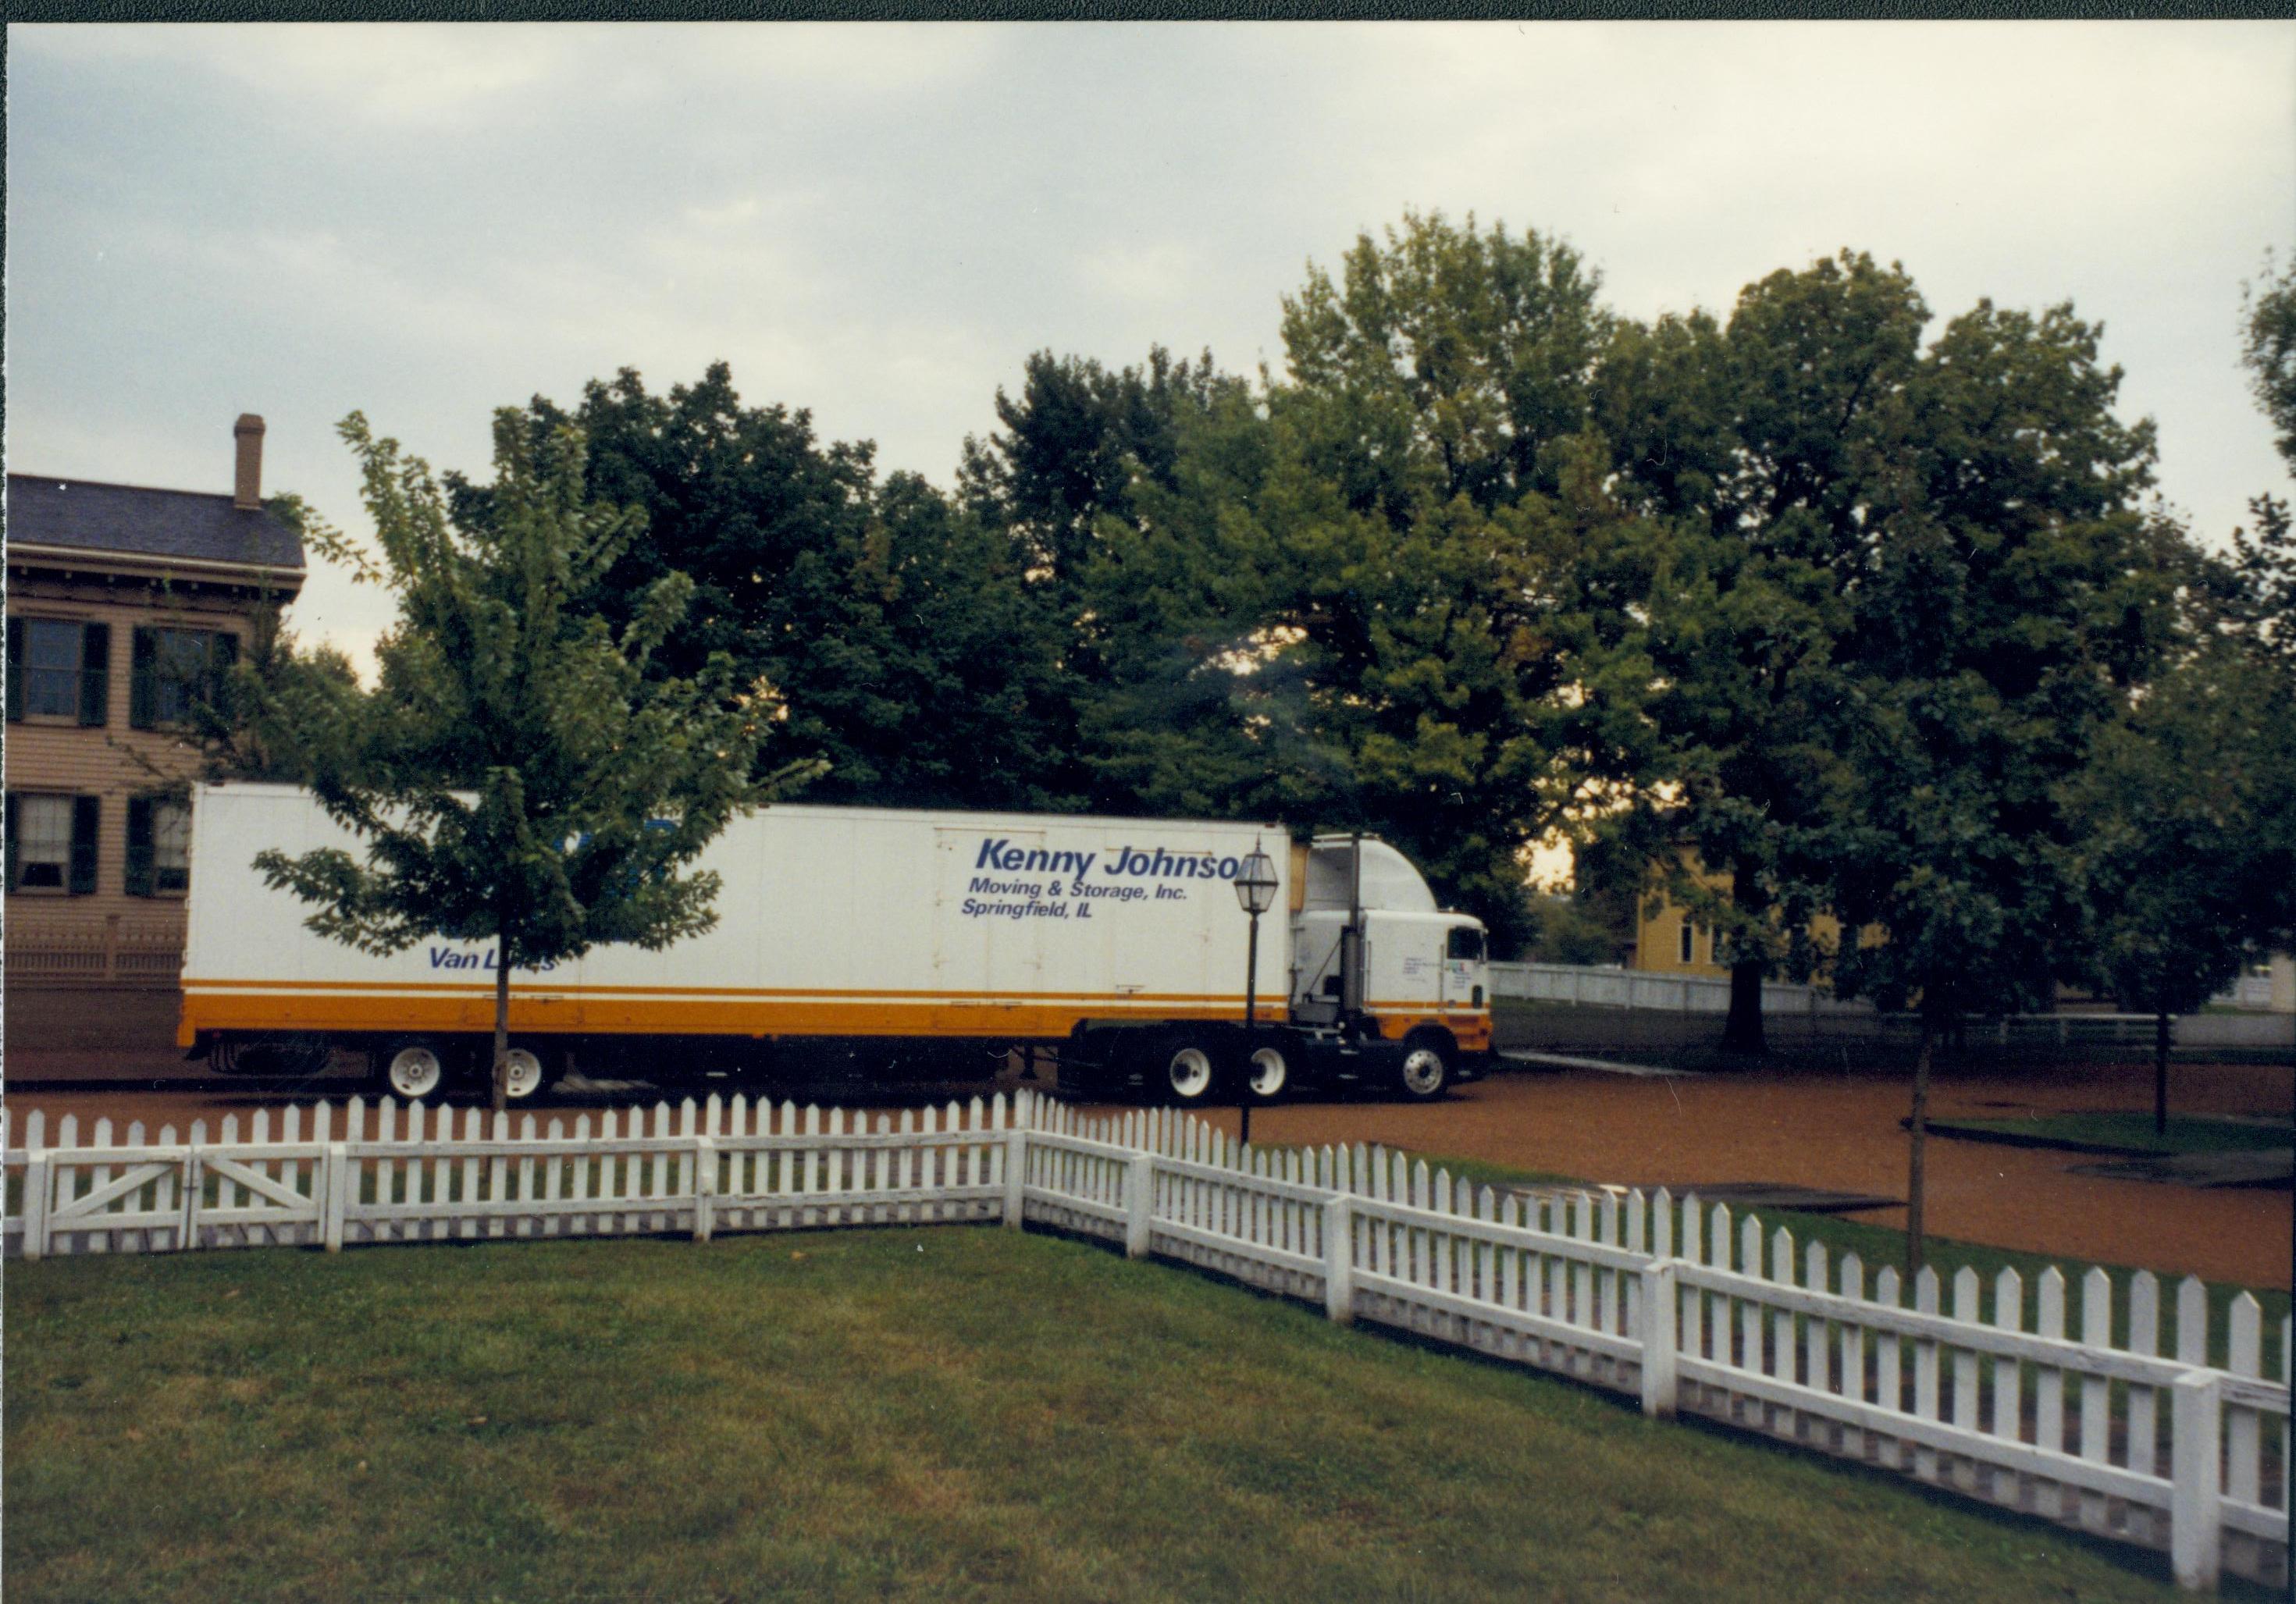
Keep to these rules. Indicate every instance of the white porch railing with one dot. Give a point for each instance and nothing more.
(2091, 1405)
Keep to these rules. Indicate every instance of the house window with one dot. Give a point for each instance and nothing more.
(176, 671)
(56, 669)
(1689, 942)
(51, 843)
(158, 846)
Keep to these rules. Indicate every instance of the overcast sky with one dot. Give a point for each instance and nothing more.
(881, 222)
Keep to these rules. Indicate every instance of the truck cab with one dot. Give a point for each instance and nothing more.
(1376, 959)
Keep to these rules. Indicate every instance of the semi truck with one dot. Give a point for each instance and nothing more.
(882, 941)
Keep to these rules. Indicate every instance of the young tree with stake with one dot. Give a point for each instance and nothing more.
(514, 774)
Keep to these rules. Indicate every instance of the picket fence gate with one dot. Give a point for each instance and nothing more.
(2093, 1404)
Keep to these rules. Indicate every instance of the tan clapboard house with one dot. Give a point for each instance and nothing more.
(123, 603)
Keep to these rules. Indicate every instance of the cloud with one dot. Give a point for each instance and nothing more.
(404, 74)
(375, 72)
(1164, 271)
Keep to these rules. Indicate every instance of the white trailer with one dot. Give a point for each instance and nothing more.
(876, 936)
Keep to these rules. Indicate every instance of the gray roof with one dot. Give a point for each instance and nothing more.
(131, 521)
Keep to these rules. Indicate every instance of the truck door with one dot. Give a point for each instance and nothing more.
(1466, 971)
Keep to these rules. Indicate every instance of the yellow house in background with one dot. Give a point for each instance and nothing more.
(1668, 941)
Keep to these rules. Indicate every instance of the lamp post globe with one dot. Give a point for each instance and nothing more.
(1255, 893)
(1255, 883)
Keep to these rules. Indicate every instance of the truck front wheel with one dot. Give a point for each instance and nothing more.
(1426, 1069)
(1188, 1073)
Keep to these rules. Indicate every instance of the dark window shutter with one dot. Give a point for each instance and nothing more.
(95, 673)
(139, 845)
(10, 829)
(15, 689)
(87, 818)
(222, 655)
(142, 702)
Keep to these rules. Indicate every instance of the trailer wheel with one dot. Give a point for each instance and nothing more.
(412, 1070)
(529, 1075)
(1188, 1073)
(1268, 1073)
(1426, 1069)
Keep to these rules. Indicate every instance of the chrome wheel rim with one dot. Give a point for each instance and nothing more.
(415, 1072)
(1270, 1072)
(1190, 1072)
(525, 1077)
(1422, 1072)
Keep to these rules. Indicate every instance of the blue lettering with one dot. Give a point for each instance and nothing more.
(989, 851)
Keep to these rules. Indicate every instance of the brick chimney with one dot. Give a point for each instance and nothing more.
(247, 485)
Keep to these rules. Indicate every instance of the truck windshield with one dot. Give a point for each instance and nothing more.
(1466, 943)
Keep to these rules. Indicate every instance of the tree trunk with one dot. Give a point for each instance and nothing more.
(501, 1076)
(1920, 1131)
(1742, 1032)
(2161, 1074)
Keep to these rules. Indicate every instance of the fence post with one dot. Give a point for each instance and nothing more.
(1016, 1172)
(1340, 1260)
(705, 1187)
(187, 1230)
(338, 1185)
(1139, 1199)
(2195, 1522)
(36, 1186)
(1660, 1313)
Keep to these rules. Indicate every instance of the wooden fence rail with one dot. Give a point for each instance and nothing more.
(2092, 1404)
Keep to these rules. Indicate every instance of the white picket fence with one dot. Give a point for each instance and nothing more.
(2092, 1404)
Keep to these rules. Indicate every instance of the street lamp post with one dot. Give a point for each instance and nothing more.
(1255, 891)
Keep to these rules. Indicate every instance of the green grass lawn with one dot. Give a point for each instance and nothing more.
(2125, 1132)
(943, 1412)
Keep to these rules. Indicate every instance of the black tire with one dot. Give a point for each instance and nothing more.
(412, 1068)
(1425, 1073)
(535, 1069)
(1188, 1073)
(1267, 1071)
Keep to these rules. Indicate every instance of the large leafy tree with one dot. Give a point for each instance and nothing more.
(1346, 596)
(2187, 855)
(516, 775)
(1758, 453)
(1439, 491)
(2013, 591)
(1065, 474)
(2268, 350)
(894, 629)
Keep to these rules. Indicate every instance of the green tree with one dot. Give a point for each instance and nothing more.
(1757, 454)
(2014, 592)
(1065, 476)
(515, 774)
(1433, 490)
(895, 630)
(2268, 350)
(2188, 859)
